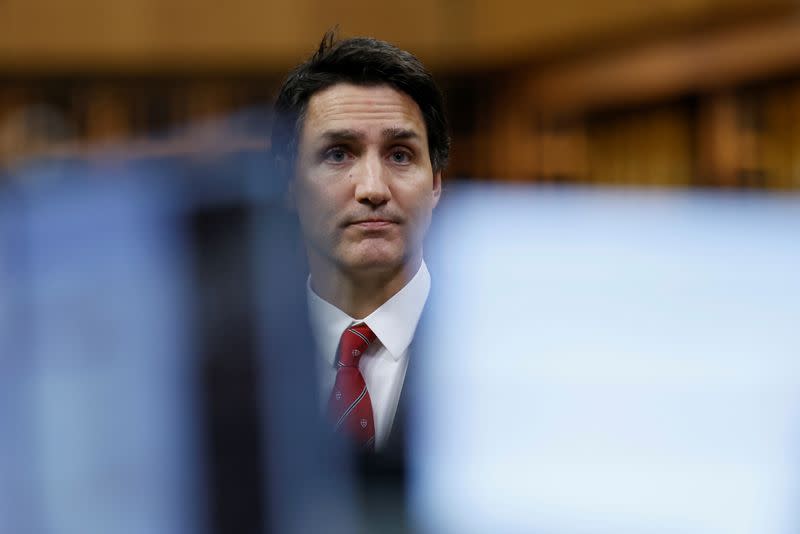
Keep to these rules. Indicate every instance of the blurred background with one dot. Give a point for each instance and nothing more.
(151, 282)
(684, 93)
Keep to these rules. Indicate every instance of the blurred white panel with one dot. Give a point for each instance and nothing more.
(611, 362)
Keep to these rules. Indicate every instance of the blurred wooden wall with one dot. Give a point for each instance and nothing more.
(664, 93)
(92, 35)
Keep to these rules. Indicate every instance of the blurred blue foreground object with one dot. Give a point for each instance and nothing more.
(610, 362)
(152, 379)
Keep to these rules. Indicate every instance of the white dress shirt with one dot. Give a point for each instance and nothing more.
(385, 362)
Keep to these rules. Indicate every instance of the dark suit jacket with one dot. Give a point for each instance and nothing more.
(381, 476)
(384, 472)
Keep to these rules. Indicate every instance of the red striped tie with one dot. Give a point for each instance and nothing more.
(350, 407)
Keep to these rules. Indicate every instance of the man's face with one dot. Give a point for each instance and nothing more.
(364, 185)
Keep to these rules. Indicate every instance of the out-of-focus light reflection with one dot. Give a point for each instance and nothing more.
(611, 362)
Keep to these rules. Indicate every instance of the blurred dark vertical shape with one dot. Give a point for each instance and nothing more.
(310, 474)
(228, 369)
(19, 498)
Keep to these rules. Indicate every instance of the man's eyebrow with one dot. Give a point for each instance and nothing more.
(342, 135)
(347, 134)
(400, 133)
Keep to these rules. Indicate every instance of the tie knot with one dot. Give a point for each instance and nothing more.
(353, 343)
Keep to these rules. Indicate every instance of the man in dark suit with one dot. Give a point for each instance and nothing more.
(360, 131)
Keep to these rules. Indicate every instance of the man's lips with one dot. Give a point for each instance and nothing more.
(373, 224)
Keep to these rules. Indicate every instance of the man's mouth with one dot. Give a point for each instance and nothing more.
(373, 223)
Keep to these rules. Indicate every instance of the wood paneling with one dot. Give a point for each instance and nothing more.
(659, 70)
(151, 35)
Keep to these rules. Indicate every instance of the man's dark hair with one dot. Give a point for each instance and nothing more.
(359, 61)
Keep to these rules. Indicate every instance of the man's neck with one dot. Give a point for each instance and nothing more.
(361, 293)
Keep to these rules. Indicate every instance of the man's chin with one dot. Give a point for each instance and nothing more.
(374, 255)
(374, 265)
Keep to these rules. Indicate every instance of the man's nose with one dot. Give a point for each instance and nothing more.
(371, 186)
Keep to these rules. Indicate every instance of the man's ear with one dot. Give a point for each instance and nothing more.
(437, 187)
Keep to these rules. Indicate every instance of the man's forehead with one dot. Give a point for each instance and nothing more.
(362, 110)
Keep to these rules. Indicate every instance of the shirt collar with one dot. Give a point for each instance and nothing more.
(394, 322)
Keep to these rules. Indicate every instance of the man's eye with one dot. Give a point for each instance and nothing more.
(336, 155)
(401, 156)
